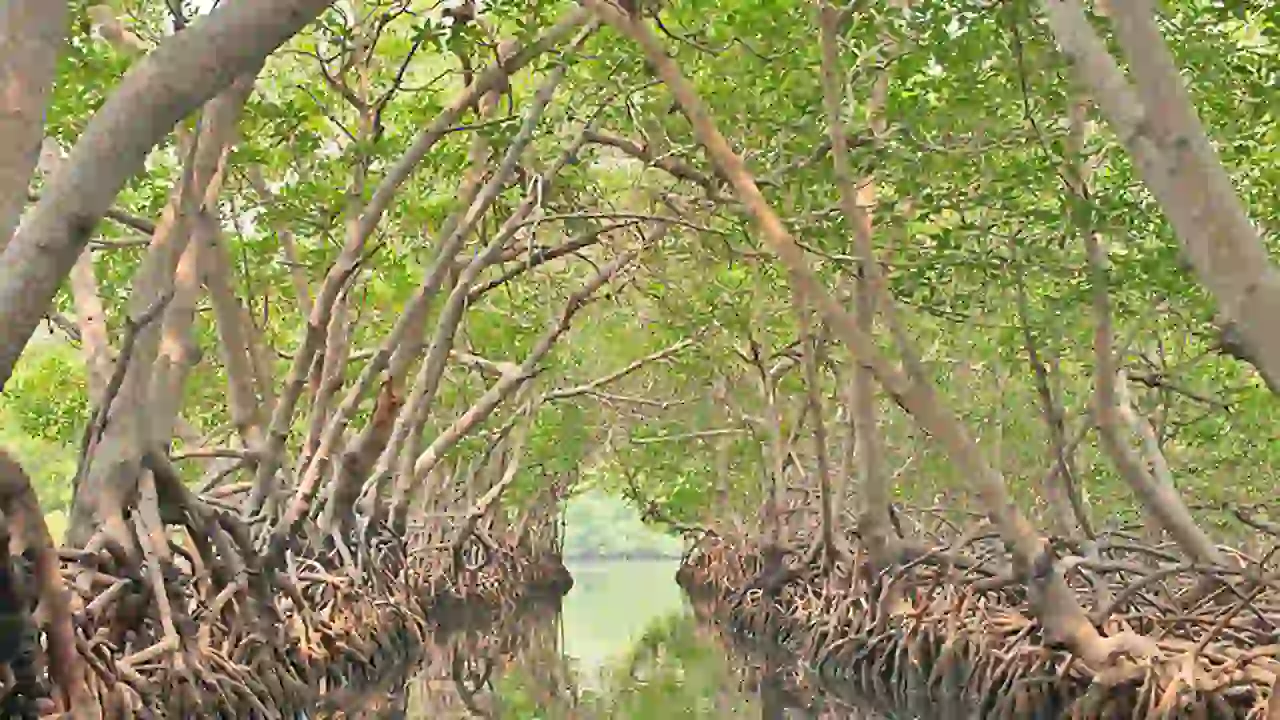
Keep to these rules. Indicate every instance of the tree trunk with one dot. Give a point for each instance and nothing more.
(856, 202)
(32, 33)
(1156, 492)
(1158, 124)
(115, 460)
(1051, 598)
(175, 79)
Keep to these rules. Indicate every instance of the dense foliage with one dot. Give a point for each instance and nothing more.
(382, 274)
(972, 212)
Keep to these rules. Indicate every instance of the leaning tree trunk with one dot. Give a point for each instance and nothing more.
(1053, 600)
(32, 33)
(153, 96)
(1156, 120)
(116, 443)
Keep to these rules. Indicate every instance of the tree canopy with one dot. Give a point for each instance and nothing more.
(317, 268)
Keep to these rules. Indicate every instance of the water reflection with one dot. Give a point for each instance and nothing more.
(611, 607)
(590, 659)
(681, 668)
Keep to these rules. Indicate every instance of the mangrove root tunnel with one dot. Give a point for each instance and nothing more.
(947, 334)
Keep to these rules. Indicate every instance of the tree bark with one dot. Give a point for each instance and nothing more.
(811, 348)
(21, 508)
(511, 380)
(247, 414)
(178, 77)
(406, 342)
(91, 316)
(115, 465)
(1115, 417)
(451, 315)
(1158, 124)
(873, 517)
(32, 33)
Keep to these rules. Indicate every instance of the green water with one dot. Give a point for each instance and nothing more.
(612, 604)
(623, 644)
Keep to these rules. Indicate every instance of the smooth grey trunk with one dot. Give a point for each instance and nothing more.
(1157, 122)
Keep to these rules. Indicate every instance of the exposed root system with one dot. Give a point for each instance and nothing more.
(776, 675)
(238, 651)
(493, 578)
(197, 625)
(950, 629)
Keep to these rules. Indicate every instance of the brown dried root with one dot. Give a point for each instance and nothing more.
(971, 637)
(195, 627)
(24, 523)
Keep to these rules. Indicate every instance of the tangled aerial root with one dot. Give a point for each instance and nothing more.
(776, 675)
(190, 621)
(504, 577)
(322, 636)
(928, 634)
(208, 633)
(242, 651)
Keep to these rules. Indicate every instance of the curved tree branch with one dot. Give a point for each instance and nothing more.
(163, 88)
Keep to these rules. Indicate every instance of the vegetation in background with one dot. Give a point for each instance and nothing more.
(599, 526)
(673, 671)
(404, 286)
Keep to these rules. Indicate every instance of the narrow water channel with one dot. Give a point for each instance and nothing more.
(623, 644)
